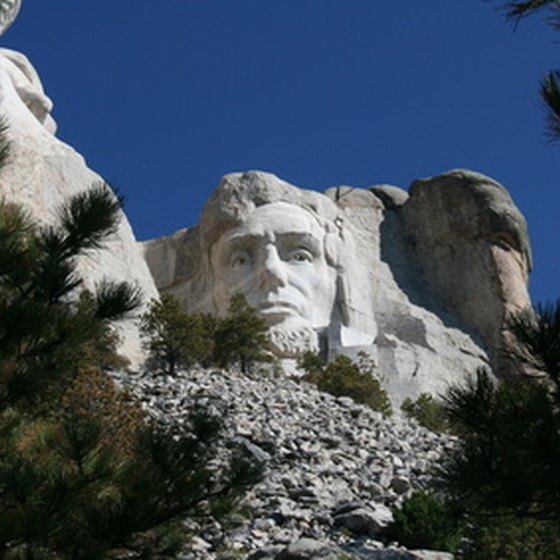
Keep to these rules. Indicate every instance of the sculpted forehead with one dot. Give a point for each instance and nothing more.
(276, 219)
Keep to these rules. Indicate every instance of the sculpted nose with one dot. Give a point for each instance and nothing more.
(273, 272)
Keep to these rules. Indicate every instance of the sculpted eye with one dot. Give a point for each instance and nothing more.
(301, 255)
(240, 258)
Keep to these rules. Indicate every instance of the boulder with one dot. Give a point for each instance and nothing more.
(363, 521)
(309, 549)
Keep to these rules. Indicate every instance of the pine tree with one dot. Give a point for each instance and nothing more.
(509, 455)
(174, 338)
(83, 470)
(550, 84)
(240, 338)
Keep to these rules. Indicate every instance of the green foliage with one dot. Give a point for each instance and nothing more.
(83, 472)
(538, 337)
(37, 284)
(549, 85)
(240, 338)
(428, 412)
(516, 10)
(426, 521)
(175, 339)
(504, 472)
(343, 377)
(5, 148)
(498, 538)
(510, 448)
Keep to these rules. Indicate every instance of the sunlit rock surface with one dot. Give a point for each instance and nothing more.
(334, 470)
(422, 281)
(43, 172)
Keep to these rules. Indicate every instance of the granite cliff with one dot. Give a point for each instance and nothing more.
(423, 281)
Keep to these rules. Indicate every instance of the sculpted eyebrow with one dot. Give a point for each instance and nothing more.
(240, 239)
(300, 238)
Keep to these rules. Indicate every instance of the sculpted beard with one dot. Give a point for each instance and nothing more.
(289, 341)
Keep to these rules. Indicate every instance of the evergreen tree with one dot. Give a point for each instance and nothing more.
(175, 339)
(503, 474)
(83, 471)
(240, 338)
(550, 84)
(509, 457)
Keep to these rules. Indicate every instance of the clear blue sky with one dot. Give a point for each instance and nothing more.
(163, 97)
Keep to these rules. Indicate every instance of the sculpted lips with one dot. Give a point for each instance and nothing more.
(271, 306)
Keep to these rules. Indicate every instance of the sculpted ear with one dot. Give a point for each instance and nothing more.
(333, 249)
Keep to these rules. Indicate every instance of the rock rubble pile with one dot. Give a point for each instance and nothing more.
(334, 469)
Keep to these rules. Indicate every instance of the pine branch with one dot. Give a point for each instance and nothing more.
(550, 94)
(115, 300)
(88, 219)
(538, 335)
(517, 10)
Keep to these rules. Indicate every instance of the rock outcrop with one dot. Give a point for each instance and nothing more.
(473, 250)
(423, 281)
(43, 172)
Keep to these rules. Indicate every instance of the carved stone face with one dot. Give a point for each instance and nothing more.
(277, 260)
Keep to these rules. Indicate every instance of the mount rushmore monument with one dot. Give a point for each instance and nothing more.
(423, 280)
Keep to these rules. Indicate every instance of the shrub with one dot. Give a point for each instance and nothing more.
(426, 521)
(343, 377)
(428, 412)
(511, 538)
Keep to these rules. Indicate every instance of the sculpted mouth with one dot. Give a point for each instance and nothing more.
(278, 306)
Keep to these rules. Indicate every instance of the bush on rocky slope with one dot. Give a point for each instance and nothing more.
(428, 412)
(427, 521)
(342, 377)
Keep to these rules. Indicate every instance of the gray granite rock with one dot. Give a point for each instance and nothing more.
(416, 280)
(328, 477)
(309, 549)
(43, 172)
(473, 249)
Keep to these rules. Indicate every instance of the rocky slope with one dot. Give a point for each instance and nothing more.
(334, 469)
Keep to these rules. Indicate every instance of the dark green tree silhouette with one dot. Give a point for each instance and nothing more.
(503, 474)
(240, 337)
(499, 483)
(509, 455)
(550, 84)
(83, 472)
(174, 338)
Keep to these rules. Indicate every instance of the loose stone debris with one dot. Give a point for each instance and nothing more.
(334, 469)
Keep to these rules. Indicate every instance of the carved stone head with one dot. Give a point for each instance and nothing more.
(279, 246)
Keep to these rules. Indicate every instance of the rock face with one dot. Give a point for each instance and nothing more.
(422, 281)
(43, 172)
(9, 10)
(334, 469)
(473, 250)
